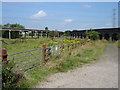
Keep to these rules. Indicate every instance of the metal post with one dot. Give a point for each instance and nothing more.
(44, 53)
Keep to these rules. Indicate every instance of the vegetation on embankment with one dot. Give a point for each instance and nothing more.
(86, 54)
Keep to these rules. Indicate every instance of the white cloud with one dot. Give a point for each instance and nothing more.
(39, 15)
(68, 20)
(87, 6)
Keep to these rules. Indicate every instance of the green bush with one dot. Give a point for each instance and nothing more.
(93, 35)
(9, 78)
(7, 75)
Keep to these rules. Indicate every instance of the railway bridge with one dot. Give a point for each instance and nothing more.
(111, 34)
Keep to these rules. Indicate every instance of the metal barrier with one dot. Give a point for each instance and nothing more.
(28, 59)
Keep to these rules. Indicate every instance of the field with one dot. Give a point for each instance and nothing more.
(19, 45)
(82, 52)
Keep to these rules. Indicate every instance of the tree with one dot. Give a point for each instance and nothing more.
(93, 35)
(52, 34)
(67, 33)
(46, 28)
(6, 25)
(16, 26)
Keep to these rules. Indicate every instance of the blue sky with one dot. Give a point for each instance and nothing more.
(59, 15)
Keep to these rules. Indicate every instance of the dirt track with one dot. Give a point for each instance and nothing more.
(103, 74)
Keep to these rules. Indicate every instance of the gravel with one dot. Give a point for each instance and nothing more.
(102, 74)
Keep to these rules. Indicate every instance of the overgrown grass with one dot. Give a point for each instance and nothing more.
(118, 44)
(86, 54)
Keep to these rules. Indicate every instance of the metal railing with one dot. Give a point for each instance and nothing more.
(28, 59)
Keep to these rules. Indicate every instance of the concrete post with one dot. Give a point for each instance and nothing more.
(74, 35)
(41, 33)
(35, 33)
(103, 36)
(20, 33)
(9, 34)
(110, 37)
(46, 34)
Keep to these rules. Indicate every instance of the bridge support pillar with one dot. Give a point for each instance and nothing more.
(46, 35)
(41, 33)
(9, 34)
(20, 33)
(103, 36)
(35, 33)
(110, 37)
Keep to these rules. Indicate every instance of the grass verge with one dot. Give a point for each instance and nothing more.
(118, 44)
(78, 57)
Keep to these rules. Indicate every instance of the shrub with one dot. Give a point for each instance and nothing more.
(9, 78)
(93, 35)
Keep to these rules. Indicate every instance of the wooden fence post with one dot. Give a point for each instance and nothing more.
(44, 53)
(4, 55)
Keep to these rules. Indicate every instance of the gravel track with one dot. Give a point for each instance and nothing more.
(102, 74)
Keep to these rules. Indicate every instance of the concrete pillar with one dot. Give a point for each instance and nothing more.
(74, 35)
(103, 36)
(9, 34)
(41, 33)
(20, 32)
(46, 34)
(110, 37)
(35, 33)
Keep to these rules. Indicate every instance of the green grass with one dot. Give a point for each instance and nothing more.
(80, 56)
(85, 57)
